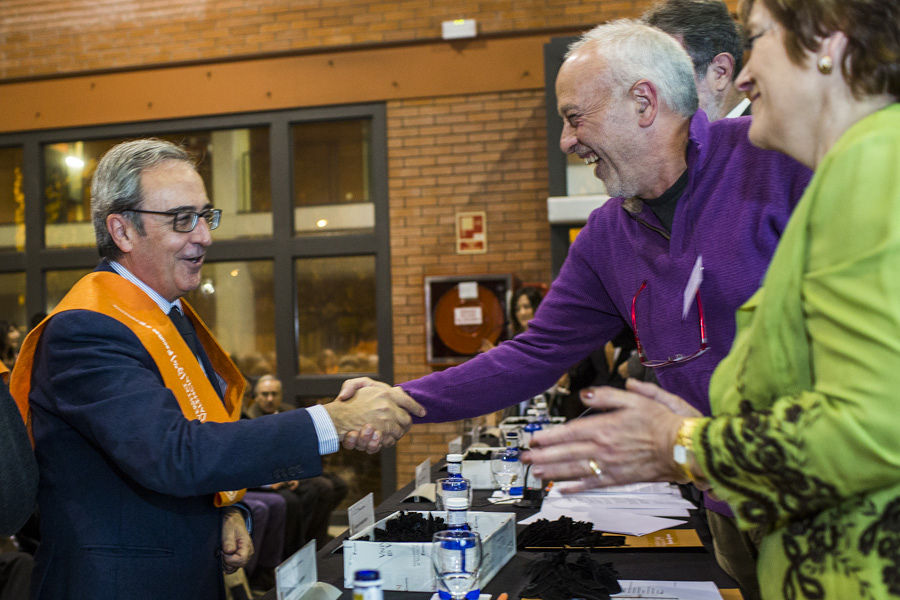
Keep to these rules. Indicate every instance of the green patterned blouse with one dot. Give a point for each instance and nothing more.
(806, 439)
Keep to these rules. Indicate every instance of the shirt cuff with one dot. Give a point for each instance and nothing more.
(325, 431)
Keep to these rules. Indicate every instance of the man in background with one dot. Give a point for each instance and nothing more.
(310, 501)
(715, 43)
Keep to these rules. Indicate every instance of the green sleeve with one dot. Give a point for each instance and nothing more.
(798, 453)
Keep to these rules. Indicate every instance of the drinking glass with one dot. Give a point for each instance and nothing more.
(456, 559)
(506, 469)
(460, 487)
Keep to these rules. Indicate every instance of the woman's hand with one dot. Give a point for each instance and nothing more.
(630, 441)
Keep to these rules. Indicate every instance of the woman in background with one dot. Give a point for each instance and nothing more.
(804, 440)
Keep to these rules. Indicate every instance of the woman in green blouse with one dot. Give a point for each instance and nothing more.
(804, 443)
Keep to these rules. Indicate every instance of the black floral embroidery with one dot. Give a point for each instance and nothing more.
(755, 452)
(884, 534)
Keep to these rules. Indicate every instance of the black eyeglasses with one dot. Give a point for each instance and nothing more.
(678, 358)
(184, 221)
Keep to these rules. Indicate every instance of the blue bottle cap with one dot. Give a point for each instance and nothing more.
(367, 575)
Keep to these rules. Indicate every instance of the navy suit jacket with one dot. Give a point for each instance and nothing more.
(126, 481)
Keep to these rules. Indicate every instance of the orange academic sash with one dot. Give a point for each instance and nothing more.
(4, 372)
(116, 297)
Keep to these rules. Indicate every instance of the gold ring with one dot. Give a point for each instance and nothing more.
(598, 472)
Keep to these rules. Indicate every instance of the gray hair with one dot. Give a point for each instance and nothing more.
(116, 185)
(633, 51)
(705, 27)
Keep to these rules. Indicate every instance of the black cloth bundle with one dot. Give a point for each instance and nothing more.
(556, 577)
(410, 527)
(565, 531)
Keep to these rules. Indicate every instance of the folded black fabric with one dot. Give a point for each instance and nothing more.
(557, 577)
(565, 531)
(410, 527)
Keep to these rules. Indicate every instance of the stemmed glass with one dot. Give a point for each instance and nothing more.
(456, 559)
(506, 469)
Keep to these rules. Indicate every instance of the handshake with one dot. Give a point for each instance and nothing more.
(370, 415)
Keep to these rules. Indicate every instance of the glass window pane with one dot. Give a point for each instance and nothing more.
(12, 200)
(336, 315)
(234, 165)
(58, 283)
(331, 176)
(235, 301)
(13, 325)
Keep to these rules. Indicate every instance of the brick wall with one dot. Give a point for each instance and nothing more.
(40, 37)
(445, 155)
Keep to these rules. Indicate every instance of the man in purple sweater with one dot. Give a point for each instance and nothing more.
(695, 216)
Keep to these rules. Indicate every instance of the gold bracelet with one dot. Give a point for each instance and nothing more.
(684, 446)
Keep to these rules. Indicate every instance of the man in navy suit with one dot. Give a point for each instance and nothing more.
(133, 405)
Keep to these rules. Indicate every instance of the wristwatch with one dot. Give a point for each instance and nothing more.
(684, 446)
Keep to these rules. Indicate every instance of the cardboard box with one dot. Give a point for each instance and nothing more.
(406, 566)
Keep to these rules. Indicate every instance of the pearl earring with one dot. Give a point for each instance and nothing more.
(825, 65)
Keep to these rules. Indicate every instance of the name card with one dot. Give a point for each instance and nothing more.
(361, 514)
(297, 574)
(423, 473)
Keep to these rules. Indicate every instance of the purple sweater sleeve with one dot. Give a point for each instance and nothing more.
(575, 318)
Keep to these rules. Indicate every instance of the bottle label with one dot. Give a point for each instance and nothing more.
(368, 593)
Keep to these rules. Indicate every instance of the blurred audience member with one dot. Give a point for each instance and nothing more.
(10, 341)
(311, 501)
(18, 468)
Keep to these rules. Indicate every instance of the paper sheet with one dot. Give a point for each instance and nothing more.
(609, 520)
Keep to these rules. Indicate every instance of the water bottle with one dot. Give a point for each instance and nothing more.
(457, 513)
(454, 465)
(511, 455)
(367, 585)
(543, 413)
(528, 431)
(454, 485)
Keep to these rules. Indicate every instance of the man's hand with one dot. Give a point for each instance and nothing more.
(631, 441)
(351, 386)
(237, 548)
(291, 485)
(375, 417)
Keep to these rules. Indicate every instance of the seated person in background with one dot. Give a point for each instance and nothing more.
(10, 340)
(601, 367)
(311, 501)
(18, 469)
(18, 492)
(269, 519)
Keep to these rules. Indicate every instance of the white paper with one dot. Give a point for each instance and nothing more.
(361, 514)
(650, 487)
(668, 590)
(468, 290)
(693, 284)
(423, 473)
(609, 520)
(467, 315)
(297, 574)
